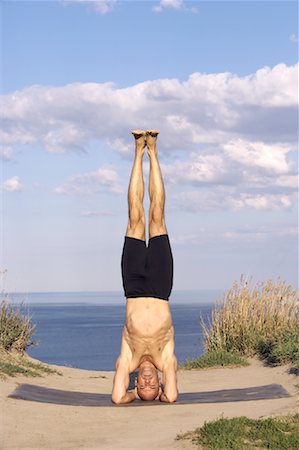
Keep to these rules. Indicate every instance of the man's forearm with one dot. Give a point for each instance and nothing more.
(164, 398)
(127, 398)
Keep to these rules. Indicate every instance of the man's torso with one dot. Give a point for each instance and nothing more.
(148, 332)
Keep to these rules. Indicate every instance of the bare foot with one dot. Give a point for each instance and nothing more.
(151, 139)
(140, 140)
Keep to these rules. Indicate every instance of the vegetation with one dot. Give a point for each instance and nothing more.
(260, 319)
(14, 363)
(242, 433)
(16, 330)
(215, 359)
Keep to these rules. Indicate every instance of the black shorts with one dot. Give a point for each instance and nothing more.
(147, 271)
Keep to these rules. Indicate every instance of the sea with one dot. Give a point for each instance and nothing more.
(83, 329)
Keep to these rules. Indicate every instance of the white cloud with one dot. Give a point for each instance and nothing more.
(231, 235)
(198, 169)
(229, 199)
(178, 5)
(293, 38)
(242, 175)
(13, 184)
(270, 157)
(105, 179)
(287, 181)
(229, 130)
(96, 213)
(205, 110)
(121, 146)
(6, 153)
(100, 6)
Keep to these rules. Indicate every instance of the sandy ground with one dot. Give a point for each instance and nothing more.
(31, 425)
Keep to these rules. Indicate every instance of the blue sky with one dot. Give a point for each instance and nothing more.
(217, 78)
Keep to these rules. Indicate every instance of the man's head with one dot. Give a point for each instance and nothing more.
(147, 382)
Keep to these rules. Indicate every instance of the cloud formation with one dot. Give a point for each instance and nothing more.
(6, 153)
(178, 5)
(92, 214)
(237, 235)
(105, 179)
(100, 6)
(206, 110)
(293, 38)
(236, 133)
(230, 199)
(12, 184)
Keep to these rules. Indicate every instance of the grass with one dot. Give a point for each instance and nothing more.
(215, 359)
(260, 319)
(242, 433)
(16, 330)
(282, 351)
(99, 376)
(15, 363)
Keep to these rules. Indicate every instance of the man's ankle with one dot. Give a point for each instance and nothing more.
(152, 150)
(139, 150)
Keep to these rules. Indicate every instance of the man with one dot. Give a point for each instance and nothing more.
(148, 335)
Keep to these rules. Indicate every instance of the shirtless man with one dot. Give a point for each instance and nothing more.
(147, 271)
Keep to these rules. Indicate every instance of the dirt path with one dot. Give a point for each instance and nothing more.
(32, 425)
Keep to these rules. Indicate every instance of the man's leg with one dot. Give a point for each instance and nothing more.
(136, 222)
(156, 189)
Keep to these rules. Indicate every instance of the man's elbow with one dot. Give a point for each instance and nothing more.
(116, 399)
(169, 397)
(172, 398)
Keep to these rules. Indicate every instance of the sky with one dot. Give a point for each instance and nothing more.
(218, 79)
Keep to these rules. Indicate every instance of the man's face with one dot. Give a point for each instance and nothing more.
(147, 382)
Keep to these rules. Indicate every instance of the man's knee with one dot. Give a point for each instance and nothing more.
(156, 214)
(157, 225)
(136, 226)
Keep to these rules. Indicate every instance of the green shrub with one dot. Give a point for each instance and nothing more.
(282, 350)
(215, 359)
(242, 433)
(14, 363)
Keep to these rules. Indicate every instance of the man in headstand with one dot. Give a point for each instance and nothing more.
(147, 271)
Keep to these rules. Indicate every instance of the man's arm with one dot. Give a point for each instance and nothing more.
(121, 383)
(169, 388)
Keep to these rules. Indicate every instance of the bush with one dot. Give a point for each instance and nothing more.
(215, 359)
(256, 319)
(283, 350)
(16, 329)
(243, 433)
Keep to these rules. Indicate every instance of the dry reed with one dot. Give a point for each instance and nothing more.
(16, 329)
(251, 317)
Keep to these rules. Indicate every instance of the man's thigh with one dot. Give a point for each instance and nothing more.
(133, 265)
(160, 265)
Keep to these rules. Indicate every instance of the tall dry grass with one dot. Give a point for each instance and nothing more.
(255, 318)
(16, 329)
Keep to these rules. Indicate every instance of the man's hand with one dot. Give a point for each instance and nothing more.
(121, 383)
